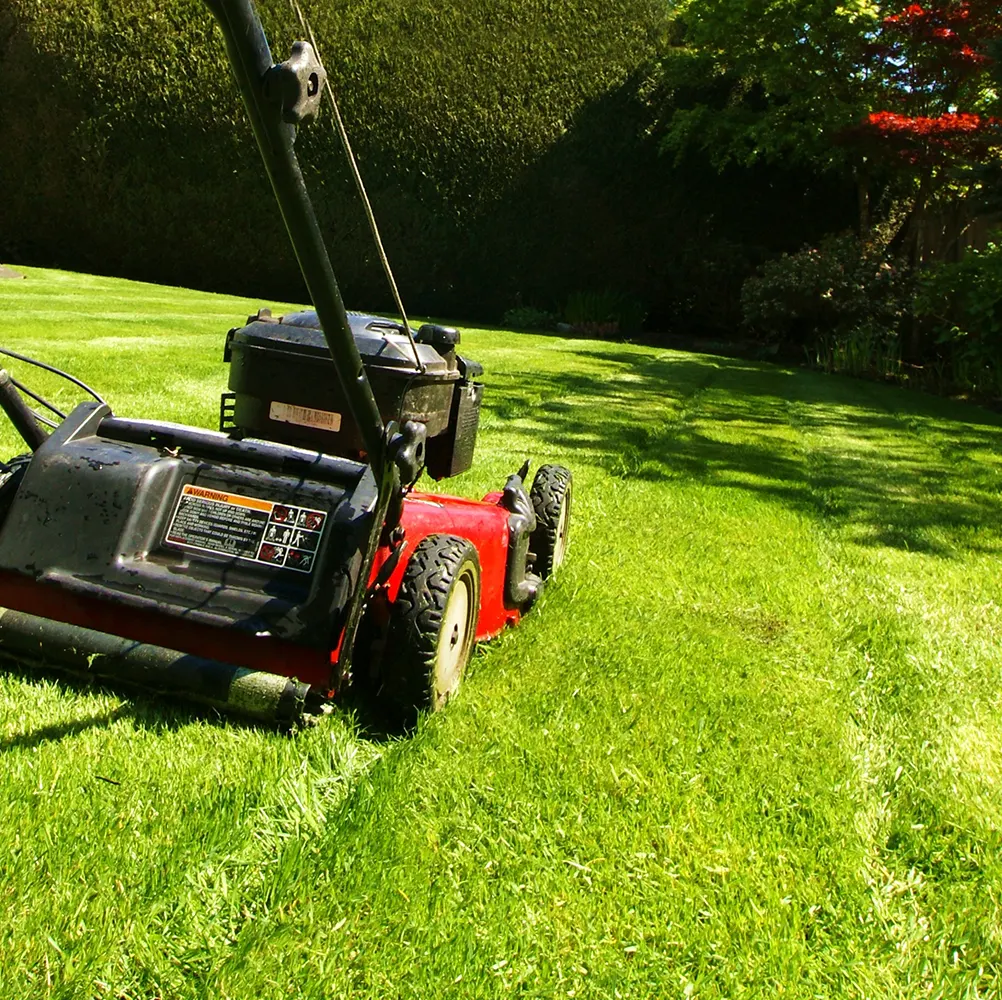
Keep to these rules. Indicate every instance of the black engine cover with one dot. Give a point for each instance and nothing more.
(283, 386)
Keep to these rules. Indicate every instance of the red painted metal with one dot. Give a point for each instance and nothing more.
(484, 523)
(21, 593)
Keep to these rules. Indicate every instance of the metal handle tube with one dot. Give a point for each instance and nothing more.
(281, 459)
(20, 413)
(250, 58)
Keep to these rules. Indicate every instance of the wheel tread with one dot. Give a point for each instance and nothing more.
(416, 621)
(551, 488)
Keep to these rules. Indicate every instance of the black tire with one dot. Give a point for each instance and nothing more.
(433, 624)
(551, 500)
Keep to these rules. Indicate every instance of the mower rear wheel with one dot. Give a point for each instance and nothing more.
(551, 500)
(433, 624)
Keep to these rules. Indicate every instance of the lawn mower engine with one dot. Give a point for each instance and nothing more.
(263, 566)
(283, 386)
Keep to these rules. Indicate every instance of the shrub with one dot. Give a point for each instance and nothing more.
(529, 318)
(121, 119)
(961, 303)
(603, 313)
(843, 301)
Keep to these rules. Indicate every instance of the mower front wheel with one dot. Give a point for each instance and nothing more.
(433, 624)
(551, 500)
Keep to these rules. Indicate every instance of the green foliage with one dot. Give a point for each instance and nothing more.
(124, 148)
(962, 304)
(965, 298)
(854, 311)
(748, 80)
(843, 300)
(705, 274)
(510, 151)
(861, 351)
(603, 313)
(529, 318)
(753, 80)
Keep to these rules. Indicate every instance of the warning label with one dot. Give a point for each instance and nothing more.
(262, 531)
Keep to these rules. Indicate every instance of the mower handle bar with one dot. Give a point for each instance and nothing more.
(276, 97)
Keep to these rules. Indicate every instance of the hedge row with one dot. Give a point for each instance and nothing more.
(505, 143)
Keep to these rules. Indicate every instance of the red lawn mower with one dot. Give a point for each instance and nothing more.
(261, 567)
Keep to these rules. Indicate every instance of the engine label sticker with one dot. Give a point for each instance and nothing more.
(261, 531)
(305, 416)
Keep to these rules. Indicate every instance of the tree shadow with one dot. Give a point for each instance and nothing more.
(896, 467)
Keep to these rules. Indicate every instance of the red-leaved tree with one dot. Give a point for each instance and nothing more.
(932, 63)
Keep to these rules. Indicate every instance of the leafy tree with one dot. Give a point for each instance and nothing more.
(906, 97)
(750, 80)
(862, 85)
(935, 122)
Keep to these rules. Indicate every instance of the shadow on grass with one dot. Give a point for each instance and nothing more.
(901, 468)
(360, 705)
(155, 712)
(146, 709)
(55, 733)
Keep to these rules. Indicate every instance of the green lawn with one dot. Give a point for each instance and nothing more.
(748, 744)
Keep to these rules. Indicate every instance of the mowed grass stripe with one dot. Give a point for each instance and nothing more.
(678, 777)
(918, 544)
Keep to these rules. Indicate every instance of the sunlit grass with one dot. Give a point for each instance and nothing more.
(747, 745)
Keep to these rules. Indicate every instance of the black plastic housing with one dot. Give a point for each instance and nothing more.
(451, 452)
(101, 512)
(283, 387)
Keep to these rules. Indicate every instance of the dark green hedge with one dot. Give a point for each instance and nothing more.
(505, 143)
